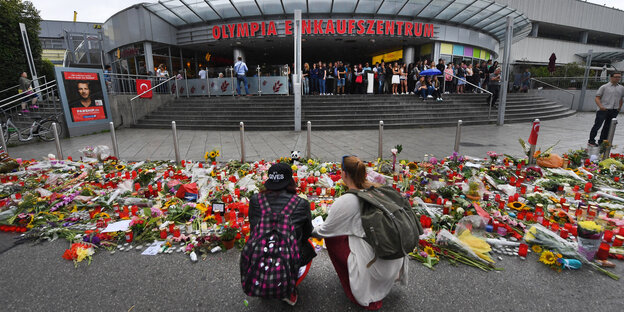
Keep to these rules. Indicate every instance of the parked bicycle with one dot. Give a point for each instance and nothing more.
(40, 128)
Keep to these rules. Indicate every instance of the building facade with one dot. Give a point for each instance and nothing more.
(198, 34)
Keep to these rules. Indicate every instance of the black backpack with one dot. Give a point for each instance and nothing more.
(389, 222)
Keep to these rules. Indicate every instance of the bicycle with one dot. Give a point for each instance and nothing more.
(40, 128)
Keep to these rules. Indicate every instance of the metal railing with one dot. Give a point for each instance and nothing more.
(474, 85)
(573, 83)
(126, 83)
(17, 85)
(20, 97)
(533, 80)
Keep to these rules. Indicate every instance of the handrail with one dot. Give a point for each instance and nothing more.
(38, 91)
(134, 75)
(548, 84)
(560, 89)
(17, 85)
(21, 99)
(150, 89)
(486, 91)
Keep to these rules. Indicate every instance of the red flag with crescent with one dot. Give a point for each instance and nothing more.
(534, 132)
(142, 86)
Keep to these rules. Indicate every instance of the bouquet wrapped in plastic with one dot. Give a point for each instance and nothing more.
(538, 234)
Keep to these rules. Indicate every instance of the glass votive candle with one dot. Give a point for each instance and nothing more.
(617, 242)
(608, 235)
(522, 250)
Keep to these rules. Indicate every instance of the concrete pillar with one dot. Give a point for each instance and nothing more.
(239, 52)
(534, 29)
(436, 52)
(622, 42)
(149, 58)
(408, 55)
(584, 36)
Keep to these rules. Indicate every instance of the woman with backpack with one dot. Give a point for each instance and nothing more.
(280, 226)
(365, 279)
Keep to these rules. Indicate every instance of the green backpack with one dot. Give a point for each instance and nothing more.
(389, 222)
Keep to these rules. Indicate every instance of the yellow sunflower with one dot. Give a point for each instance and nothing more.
(516, 205)
(120, 167)
(213, 154)
(218, 153)
(429, 251)
(412, 165)
(548, 257)
(536, 248)
(206, 156)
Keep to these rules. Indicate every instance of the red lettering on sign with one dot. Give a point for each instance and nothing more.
(288, 27)
(379, 28)
(417, 29)
(399, 28)
(361, 27)
(369, 30)
(428, 32)
(306, 27)
(80, 76)
(318, 27)
(351, 26)
(389, 28)
(263, 28)
(231, 28)
(216, 32)
(408, 29)
(330, 27)
(243, 30)
(223, 32)
(254, 28)
(272, 30)
(341, 26)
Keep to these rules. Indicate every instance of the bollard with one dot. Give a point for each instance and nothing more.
(457, 136)
(3, 140)
(380, 149)
(59, 150)
(533, 140)
(114, 139)
(309, 144)
(175, 142)
(610, 137)
(177, 89)
(259, 75)
(242, 138)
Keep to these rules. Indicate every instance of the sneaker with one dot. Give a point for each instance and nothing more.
(25, 111)
(34, 106)
(592, 144)
(429, 96)
(292, 300)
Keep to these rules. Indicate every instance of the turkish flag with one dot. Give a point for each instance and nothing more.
(142, 86)
(534, 132)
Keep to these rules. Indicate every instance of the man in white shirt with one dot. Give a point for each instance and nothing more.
(202, 74)
(609, 101)
(240, 68)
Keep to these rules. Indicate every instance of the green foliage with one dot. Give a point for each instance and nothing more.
(567, 70)
(12, 56)
(46, 68)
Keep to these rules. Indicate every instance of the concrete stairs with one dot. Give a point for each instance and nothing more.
(340, 112)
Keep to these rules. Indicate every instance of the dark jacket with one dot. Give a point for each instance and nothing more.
(301, 218)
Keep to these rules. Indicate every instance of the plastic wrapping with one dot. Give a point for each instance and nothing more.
(552, 161)
(473, 187)
(445, 238)
(474, 223)
(375, 177)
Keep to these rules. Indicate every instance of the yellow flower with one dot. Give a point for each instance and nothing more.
(516, 205)
(429, 251)
(83, 253)
(213, 154)
(207, 155)
(412, 165)
(213, 173)
(218, 153)
(548, 257)
(590, 225)
(559, 256)
(323, 170)
(201, 207)
(310, 162)
(536, 248)
(402, 162)
(120, 167)
(294, 167)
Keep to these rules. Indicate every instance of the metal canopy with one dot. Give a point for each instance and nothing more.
(482, 15)
(611, 57)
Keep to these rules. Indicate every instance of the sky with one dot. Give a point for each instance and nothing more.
(99, 11)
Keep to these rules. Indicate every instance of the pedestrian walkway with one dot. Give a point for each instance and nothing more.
(157, 144)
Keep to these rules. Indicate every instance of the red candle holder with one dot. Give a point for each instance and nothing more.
(577, 196)
(512, 180)
(129, 236)
(603, 251)
(172, 227)
(564, 234)
(617, 242)
(163, 233)
(176, 231)
(523, 189)
(522, 250)
(608, 235)
(577, 188)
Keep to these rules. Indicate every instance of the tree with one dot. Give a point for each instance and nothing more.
(12, 55)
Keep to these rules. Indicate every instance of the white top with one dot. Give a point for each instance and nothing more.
(611, 95)
(240, 68)
(367, 284)
(202, 74)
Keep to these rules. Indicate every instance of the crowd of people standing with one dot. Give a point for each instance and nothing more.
(336, 78)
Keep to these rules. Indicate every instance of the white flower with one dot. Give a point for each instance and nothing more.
(460, 210)
(394, 151)
(193, 256)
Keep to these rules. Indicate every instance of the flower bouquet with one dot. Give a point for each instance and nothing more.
(589, 238)
(457, 250)
(539, 235)
(212, 155)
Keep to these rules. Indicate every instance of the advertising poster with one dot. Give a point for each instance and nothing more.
(85, 102)
(84, 96)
